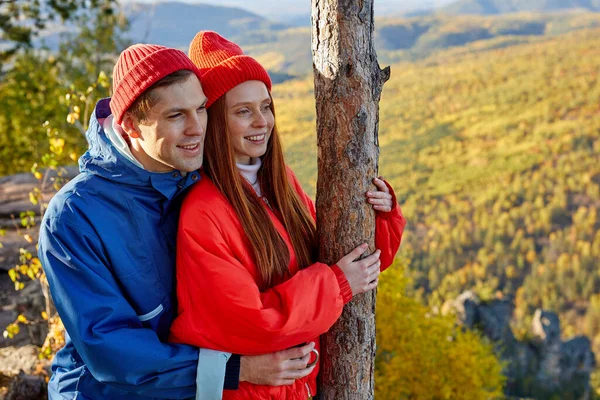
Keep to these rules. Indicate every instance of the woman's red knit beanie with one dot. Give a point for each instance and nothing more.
(223, 65)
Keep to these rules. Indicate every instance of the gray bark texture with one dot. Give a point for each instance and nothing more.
(348, 84)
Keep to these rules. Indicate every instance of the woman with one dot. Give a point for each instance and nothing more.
(246, 272)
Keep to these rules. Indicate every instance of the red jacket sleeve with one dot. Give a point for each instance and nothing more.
(221, 307)
(389, 226)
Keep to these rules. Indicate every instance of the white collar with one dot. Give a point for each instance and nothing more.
(250, 172)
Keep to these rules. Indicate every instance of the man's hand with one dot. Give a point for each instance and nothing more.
(277, 369)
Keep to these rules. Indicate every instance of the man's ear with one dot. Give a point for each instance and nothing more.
(130, 125)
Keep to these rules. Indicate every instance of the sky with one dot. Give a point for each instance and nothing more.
(280, 10)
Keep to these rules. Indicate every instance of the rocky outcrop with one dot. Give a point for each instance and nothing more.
(27, 387)
(14, 200)
(19, 356)
(541, 367)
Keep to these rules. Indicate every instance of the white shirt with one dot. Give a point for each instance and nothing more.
(250, 172)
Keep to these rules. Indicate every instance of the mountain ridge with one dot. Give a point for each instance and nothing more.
(497, 7)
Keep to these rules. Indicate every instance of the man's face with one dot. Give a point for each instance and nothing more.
(172, 134)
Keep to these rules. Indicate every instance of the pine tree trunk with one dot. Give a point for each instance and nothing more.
(348, 84)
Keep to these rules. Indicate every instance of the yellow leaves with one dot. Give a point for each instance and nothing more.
(55, 338)
(33, 198)
(531, 256)
(541, 269)
(44, 315)
(36, 264)
(422, 355)
(45, 353)
(12, 274)
(103, 80)
(73, 156)
(22, 319)
(511, 272)
(38, 175)
(28, 238)
(30, 267)
(35, 269)
(24, 255)
(11, 331)
(57, 145)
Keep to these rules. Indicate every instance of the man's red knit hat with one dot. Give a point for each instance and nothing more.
(223, 65)
(141, 66)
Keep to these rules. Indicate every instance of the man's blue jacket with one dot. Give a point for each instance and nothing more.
(107, 245)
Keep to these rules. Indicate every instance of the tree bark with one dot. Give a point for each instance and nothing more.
(348, 84)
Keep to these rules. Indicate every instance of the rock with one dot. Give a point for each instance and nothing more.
(22, 374)
(492, 317)
(14, 199)
(465, 307)
(12, 241)
(14, 190)
(27, 387)
(19, 356)
(16, 359)
(543, 367)
(546, 328)
(30, 302)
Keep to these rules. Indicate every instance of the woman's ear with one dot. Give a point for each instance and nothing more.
(130, 125)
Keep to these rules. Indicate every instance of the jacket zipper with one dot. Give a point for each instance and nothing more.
(266, 201)
(308, 390)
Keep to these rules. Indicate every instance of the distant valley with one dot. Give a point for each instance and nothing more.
(284, 48)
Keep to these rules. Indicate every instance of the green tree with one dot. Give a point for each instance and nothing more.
(44, 106)
(47, 96)
(23, 20)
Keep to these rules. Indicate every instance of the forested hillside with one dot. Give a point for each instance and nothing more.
(496, 160)
(413, 39)
(489, 7)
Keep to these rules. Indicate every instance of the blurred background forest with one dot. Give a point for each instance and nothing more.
(489, 132)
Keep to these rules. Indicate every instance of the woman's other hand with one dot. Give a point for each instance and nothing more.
(381, 200)
(362, 275)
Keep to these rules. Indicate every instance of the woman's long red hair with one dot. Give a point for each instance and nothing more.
(269, 249)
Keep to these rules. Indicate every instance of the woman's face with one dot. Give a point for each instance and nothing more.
(249, 120)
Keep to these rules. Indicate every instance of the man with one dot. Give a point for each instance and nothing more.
(107, 244)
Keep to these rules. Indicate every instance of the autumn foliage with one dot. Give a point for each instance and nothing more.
(426, 356)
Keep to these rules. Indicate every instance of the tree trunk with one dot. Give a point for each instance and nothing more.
(348, 84)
